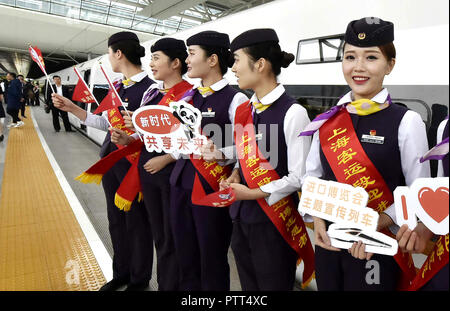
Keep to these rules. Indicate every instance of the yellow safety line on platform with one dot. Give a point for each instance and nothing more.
(42, 246)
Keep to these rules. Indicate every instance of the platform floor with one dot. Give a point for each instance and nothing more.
(41, 242)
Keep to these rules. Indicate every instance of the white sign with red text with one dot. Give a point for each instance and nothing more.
(170, 129)
(345, 206)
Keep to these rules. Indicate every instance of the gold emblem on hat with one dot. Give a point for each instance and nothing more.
(361, 36)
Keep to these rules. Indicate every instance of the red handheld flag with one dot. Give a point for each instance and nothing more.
(109, 102)
(82, 92)
(36, 55)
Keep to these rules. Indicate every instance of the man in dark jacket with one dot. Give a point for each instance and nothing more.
(22, 103)
(63, 91)
(14, 99)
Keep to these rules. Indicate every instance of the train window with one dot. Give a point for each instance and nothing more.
(320, 50)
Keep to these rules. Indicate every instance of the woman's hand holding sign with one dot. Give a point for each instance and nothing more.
(413, 241)
(321, 235)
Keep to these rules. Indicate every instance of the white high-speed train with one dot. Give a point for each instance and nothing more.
(313, 31)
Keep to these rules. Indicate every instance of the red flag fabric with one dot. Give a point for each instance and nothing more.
(36, 55)
(82, 93)
(109, 102)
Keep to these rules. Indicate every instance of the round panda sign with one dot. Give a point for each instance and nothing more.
(170, 129)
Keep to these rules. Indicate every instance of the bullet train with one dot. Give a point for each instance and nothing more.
(313, 32)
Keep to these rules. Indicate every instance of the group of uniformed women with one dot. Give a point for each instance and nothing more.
(263, 227)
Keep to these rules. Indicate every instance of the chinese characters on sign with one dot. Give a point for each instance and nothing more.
(167, 130)
(345, 206)
(337, 202)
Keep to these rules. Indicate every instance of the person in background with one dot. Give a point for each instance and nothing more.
(63, 91)
(36, 94)
(2, 113)
(14, 99)
(24, 96)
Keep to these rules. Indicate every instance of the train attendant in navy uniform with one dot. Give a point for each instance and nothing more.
(264, 256)
(168, 65)
(202, 234)
(366, 141)
(434, 276)
(130, 231)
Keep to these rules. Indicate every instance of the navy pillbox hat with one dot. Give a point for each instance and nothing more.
(252, 37)
(369, 31)
(210, 38)
(168, 44)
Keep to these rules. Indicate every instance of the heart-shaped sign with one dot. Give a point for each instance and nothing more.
(434, 203)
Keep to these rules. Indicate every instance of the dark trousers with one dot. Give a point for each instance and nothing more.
(340, 271)
(14, 113)
(156, 193)
(130, 231)
(22, 108)
(202, 237)
(36, 100)
(264, 260)
(55, 115)
(439, 282)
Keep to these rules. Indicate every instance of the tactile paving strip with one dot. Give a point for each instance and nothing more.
(42, 247)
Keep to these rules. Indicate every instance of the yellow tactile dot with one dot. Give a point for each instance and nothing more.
(42, 246)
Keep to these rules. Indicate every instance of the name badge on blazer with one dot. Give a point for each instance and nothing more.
(208, 114)
(372, 138)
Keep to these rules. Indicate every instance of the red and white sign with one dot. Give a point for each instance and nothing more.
(428, 199)
(166, 129)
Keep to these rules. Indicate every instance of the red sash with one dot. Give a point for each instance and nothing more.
(437, 259)
(258, 172)
(351, 165)
(212, 172)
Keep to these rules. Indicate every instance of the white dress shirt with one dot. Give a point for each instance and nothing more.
(59, 90)
(412, 143)
(100, 122)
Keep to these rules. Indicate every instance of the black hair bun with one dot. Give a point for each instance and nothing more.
(287, 59)
(141, 51)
